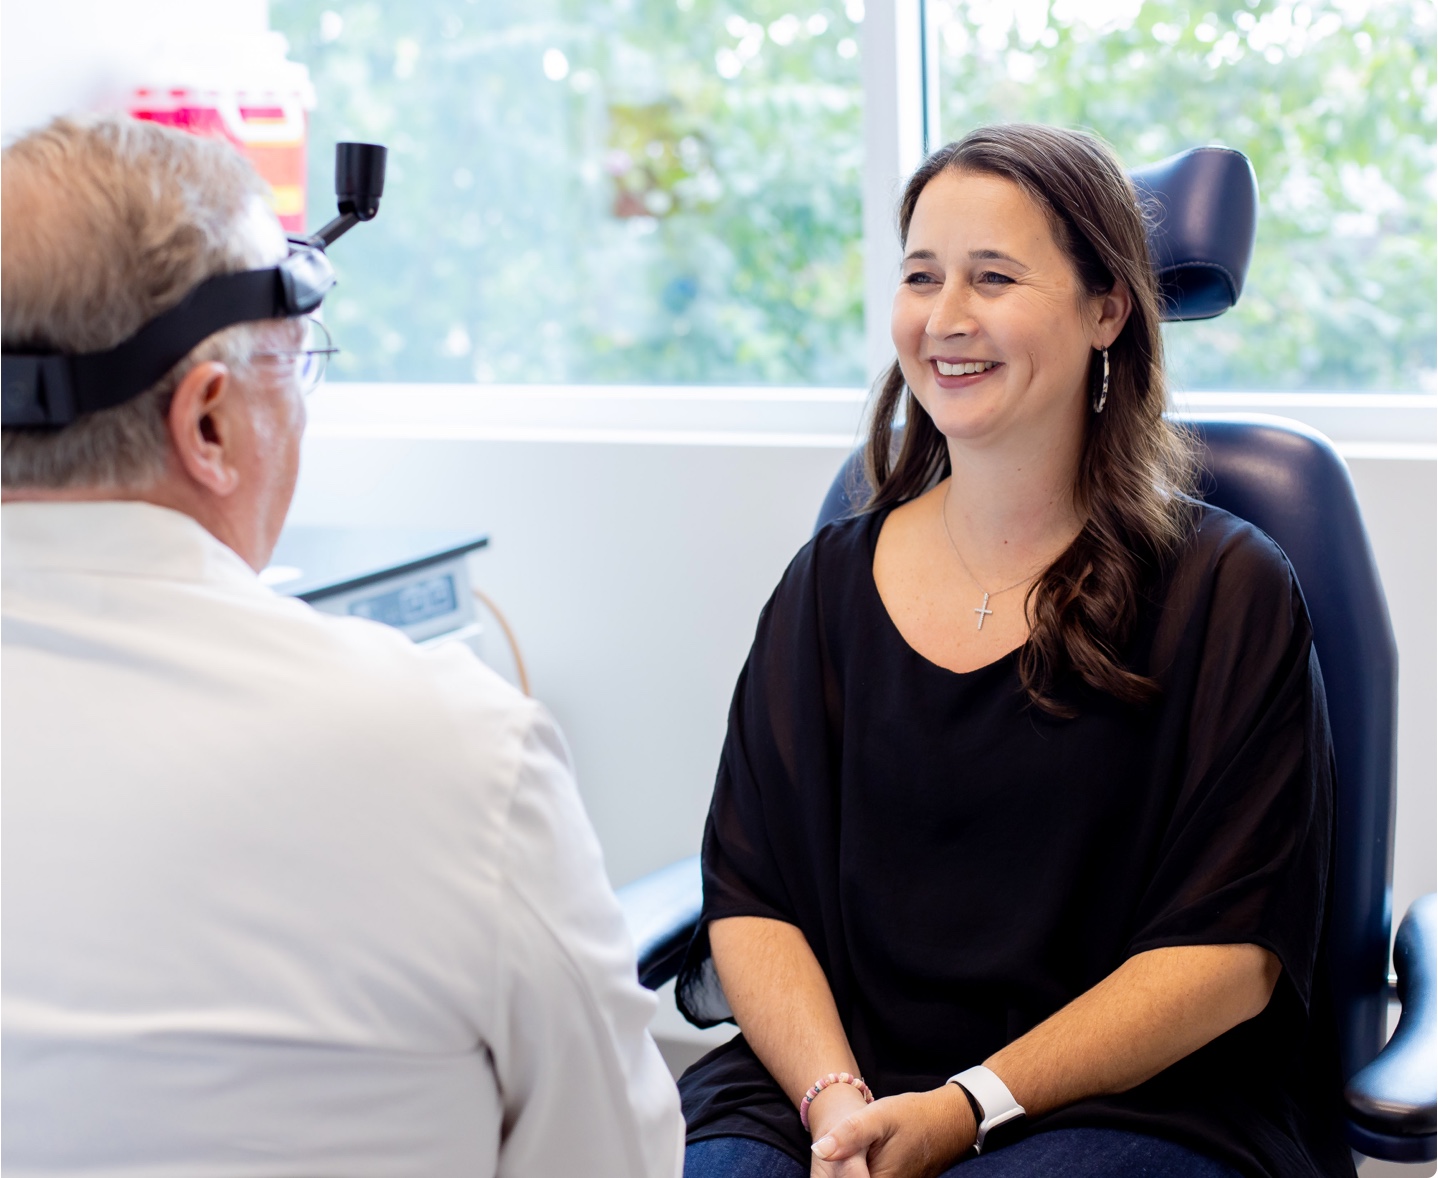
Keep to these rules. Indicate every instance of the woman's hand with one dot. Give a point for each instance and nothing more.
(827, 1111)
(915, 1135)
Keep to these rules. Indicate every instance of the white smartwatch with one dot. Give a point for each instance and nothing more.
(996, 1103)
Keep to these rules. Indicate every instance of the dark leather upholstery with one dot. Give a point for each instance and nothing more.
(1204, 204)
(1390, 1101)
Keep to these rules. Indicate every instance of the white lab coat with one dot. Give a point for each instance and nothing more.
(286, 895)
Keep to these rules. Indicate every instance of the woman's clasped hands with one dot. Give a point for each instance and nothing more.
(912, 1135)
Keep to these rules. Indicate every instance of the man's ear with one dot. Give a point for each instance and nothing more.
(204, 415)
(1113, 312)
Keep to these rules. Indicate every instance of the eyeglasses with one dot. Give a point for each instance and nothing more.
(312, 358)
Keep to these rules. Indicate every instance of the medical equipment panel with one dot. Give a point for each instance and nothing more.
(416, 581)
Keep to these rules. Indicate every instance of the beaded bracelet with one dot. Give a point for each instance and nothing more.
(823, 1082)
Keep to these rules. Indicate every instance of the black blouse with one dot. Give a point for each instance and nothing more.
(963, 865)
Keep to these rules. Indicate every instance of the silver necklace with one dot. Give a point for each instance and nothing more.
(982, 610)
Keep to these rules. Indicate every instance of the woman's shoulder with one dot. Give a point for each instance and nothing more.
(850, 537)
(1233, 549)
(827, 577)
(836, 551)
(1236, 567)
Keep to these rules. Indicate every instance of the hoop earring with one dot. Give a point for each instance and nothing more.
(1098, 398)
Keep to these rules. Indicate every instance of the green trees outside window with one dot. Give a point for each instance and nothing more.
(668, 191)
(638, 191)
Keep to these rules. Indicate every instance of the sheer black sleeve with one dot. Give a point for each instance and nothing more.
(769, 820)
(1244, 857)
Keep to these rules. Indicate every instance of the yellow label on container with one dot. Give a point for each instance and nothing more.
(288, 200)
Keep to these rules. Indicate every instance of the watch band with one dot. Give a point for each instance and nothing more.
(997, 1105)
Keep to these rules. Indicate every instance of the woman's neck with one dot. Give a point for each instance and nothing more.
(1010, 511)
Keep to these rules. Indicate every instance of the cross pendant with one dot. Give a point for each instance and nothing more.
(983, 611)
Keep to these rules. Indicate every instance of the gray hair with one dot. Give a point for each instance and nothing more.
(108, 222)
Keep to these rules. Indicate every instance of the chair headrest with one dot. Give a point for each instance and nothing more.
(1204, 202)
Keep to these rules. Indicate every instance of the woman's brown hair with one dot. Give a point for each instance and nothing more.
(1136, 469)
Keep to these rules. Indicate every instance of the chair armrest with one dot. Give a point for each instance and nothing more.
(662, 911)
(1396, 1094)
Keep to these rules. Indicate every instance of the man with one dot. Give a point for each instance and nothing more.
(283, 893)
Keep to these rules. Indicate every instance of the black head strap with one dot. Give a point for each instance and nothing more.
(52, 389)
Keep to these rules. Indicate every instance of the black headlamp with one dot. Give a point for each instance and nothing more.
(40, 390)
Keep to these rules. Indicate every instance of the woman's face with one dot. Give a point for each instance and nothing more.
(993, 336)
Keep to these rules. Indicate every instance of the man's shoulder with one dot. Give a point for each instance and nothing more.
(310, 687)
(362, 667)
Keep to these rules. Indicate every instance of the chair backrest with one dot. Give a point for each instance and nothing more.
(1287, 480)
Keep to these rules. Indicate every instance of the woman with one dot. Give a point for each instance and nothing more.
(1027, 780)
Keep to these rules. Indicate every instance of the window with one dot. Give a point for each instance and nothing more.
(1332, 100)
(642, 191)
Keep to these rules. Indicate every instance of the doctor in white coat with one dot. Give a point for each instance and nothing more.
(282, 893)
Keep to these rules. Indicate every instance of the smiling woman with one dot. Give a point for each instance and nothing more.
(1045, 876)
(998, 273)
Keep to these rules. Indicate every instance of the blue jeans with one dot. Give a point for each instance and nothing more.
(1061, 1153)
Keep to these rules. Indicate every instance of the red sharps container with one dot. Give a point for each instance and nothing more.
(251, 96)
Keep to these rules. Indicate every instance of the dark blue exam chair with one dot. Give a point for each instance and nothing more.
(1289, 481)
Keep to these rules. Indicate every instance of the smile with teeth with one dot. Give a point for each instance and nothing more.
(967, 368)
